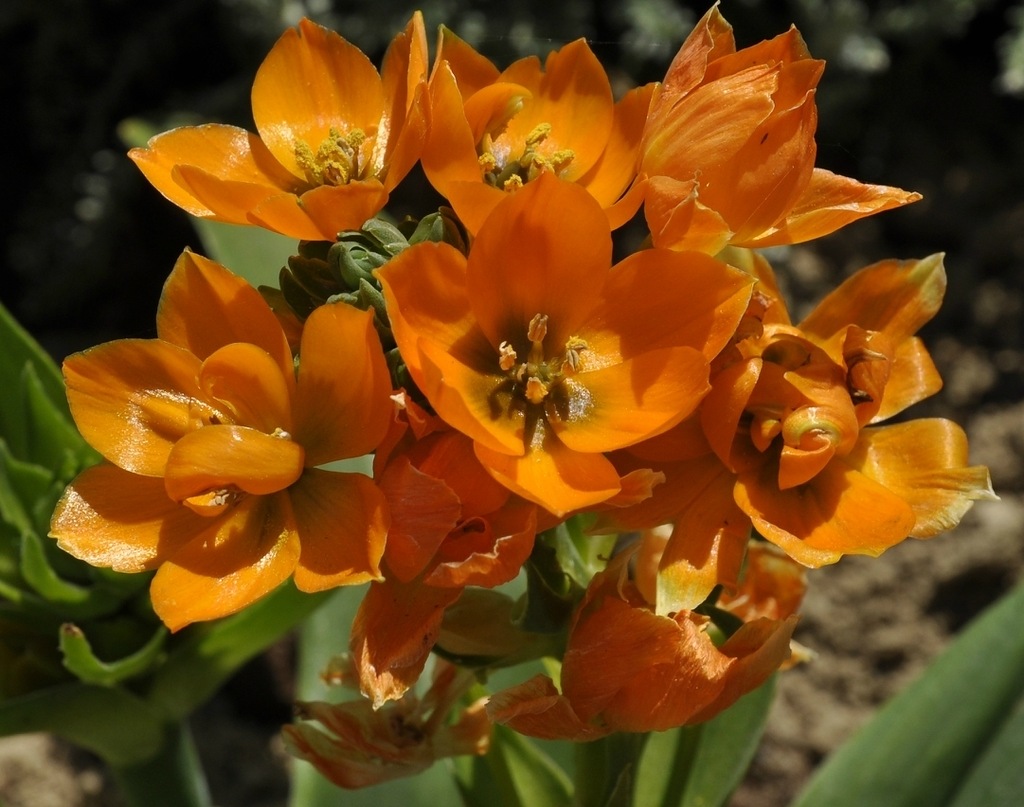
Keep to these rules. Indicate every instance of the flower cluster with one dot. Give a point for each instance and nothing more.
(651, 442)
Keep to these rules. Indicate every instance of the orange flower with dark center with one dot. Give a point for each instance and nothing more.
(493, 131)
(335, 137)
(213, 444)
(728, 150)
(546, 355)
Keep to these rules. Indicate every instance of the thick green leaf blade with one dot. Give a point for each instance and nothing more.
(932, 738)
(700, 766)
(997, 780)
(515, 772)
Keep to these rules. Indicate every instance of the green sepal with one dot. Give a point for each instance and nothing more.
(80, 660)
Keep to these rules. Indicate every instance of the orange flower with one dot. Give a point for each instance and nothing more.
(335, 137)
(728, 149)
(545, 355)
(366, 746)
(493, 131)
(212, 445)
(452, 526)
(629, 669)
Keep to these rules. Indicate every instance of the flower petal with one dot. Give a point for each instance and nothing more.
(839, 512)
(553, 475)
(245, 381)
(237, 560)
(342, 521)
(342, 408)
(132, 399)
(535, 708)
(226, 153)
(313, 80)
(215, 458)
(111, 518)
(924, 462)
(204, 306)
(624, 403)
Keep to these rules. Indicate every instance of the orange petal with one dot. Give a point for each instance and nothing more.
(486, 552)
(521, 265)
(111, 518)
(622, 404)
(913, 377)
(449, 155)
(573, 95)
(215, 458)
(552, 475)
(313, 80)
(535, 708)
(896, 297)
(473, 201)
(205, 306)
(423, 511)
(924, 462)
(234, 562)
(341, 402)
(342, 521)
(233, 201)
(226, 153)
(472, 70)
(392, 634)
(608, 179)
(404, 82)
(831, 202)
(839, 512)
(700, 303)
(245, 381)
(133, 399)
(678, 220)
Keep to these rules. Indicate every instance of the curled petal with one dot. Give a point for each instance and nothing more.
(244, 380)
(535, 708)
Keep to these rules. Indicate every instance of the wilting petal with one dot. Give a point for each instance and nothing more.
(839, 512)
(227, 153)
(133, 399)
(342, 408)
(204, 307)
(624, 403)
(423, 511)
(238, 559)
(342, 521)
(924, 462)
(112, 518)
(313, 80)
(536, 709)
(392, 634)
(552, 475)
(486, 552)
(231, 458)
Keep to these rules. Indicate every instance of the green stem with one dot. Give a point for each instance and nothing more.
(606, 770)
(172, 777)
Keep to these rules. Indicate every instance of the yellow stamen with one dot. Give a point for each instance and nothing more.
(538, 135)
(536, 390)
(507, 356)
(538, 328)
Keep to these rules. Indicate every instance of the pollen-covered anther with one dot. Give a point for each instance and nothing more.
(538, 328)
(513, 183)
(574, 347)
(279, 432)
(212, 502)
(538, 134)
(536, 390)
(507, 356)
(336, 160)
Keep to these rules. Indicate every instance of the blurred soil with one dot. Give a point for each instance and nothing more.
(873, 624)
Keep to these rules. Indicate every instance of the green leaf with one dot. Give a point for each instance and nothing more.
(51, 439)
(111, 722)
(252, 252)
(80, 659)
(73, 601)
(700, 766)
(22, 485)
(19, 350)
(212, 652)
(514, 773)
(955, 732)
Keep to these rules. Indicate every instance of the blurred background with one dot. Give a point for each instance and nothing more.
(927, 95)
